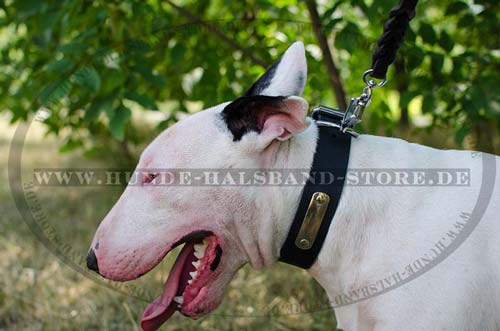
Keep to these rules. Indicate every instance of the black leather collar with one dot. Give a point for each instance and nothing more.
(331, 156)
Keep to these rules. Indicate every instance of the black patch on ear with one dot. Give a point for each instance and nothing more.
(263, 82)
(245, 114)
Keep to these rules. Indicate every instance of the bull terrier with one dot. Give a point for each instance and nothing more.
(379, 235)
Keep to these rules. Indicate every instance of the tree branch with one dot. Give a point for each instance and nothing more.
(232, 43)
(333, 72)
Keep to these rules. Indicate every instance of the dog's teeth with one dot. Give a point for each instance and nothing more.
(196, 264)
(199, 250)
(190, 281)
(193, 274)
(179, 299)
(200, 247)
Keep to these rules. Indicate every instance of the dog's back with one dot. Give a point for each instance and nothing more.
(437, 244)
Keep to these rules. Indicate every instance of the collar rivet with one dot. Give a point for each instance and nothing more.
(303, 243)
(320, 198)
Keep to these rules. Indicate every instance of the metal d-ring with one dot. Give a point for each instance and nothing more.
(371, 82)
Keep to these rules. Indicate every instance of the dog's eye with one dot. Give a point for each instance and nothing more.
(149, 178)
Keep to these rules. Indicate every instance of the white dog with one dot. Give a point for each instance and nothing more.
(381, 236)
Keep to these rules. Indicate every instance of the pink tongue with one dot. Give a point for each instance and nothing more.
(163, 307)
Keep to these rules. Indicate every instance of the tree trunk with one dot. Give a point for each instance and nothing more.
(483, 136)
(333, 72)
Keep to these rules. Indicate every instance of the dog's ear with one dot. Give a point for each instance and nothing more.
(287, 76)
(271, 117)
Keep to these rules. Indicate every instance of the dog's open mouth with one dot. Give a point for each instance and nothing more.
(193, 268)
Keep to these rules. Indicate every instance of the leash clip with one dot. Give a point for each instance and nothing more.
(354, 111)
(331, 117)
(346, 121)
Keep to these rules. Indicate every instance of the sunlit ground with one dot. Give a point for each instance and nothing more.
(40, 292)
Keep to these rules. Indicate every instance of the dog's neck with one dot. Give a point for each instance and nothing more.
(275, 219)
(297, 153)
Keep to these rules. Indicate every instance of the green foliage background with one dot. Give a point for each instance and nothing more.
(112, 74)
(101, 67)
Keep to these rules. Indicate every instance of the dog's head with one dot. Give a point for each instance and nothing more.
(219, 225)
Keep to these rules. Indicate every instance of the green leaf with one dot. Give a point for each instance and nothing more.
(70, 145)
(414, 57)
(27, 8)
(348, 37)
(332, 24)
(477, 96)
(456, 7)
(429, 103)
(406, 98)
(178, 52)
(60, 65)
(88, 78)
(119, 121)
(467, 21)
(146, 72)
(138, 45)
(97, 107)
(142, 99)
(458, 63)
(329, 12)
(427, 33)
(55, 91)
(437, 61)
(73, 48)
(445, 41)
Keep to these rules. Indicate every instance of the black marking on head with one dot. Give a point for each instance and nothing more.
(246, 114)
(263, 82)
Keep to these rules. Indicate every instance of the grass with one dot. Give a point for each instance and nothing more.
(38, 291)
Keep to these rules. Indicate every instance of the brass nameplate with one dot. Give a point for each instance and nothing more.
(312, 220)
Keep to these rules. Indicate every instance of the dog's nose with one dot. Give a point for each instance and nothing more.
(92, 261)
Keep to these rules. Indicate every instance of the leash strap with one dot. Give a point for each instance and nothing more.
(392, 38)
(331, 156)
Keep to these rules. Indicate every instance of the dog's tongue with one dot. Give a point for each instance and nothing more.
(163, 307)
